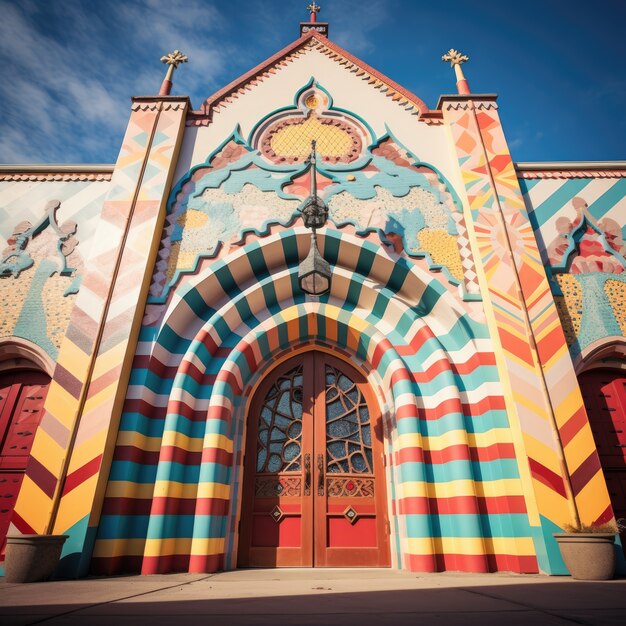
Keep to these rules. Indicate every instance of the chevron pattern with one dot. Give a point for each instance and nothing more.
(88, 381)
(522, 314)
(172, 499)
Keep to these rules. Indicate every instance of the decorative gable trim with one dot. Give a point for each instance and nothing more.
(312, 40)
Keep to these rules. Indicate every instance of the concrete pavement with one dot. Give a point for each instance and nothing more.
(316, 597)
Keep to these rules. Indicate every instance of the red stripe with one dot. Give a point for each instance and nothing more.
(79, 476)
(459, 452)
(573, 426)
(126, 506)
(585, 472)
(462, 505)
(206, 564)
(41, 476)
(547, 477)
(108, 566)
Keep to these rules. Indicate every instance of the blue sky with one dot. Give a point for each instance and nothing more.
(69, 67)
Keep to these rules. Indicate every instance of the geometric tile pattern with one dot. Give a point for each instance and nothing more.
(543, 394)
(172, 500)
(72, 448)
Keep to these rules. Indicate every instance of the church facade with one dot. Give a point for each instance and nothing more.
(443, 390)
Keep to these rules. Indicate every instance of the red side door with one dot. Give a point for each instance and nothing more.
(604, 393)
(22, 395)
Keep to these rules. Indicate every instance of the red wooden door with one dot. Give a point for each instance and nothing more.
(314, 489)
(604, 393)
(22, 395)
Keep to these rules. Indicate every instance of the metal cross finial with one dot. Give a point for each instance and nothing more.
(314, 8)
(456, 60)
(455, 57)
(172, 60)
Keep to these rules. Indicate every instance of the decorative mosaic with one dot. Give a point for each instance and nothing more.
(569, 306)
(39, 275)
(286, 137)
(585, 244)
(615, 291)
(243, 188)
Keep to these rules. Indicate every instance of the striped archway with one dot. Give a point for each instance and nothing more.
(456, 498)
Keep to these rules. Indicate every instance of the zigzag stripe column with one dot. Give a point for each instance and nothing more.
(66, 477)
(540, 386)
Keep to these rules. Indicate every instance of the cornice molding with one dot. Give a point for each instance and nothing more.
(571, 169)
(43, 172)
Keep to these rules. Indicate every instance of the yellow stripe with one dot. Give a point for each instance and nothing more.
(520, 546)
(33, 505)
(171, 545)
(107, 548)
(454, 438)
(73, 359)
(126, 489)
(61, 404)
(213, 490)
(137, 440)
(593, 499)
(47, 451)
(205, 546)
(75, 505)
(494, 488)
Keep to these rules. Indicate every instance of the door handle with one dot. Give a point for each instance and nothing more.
(307, 474)
(320, 475)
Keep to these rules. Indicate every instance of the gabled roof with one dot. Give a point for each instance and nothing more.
(405, 99)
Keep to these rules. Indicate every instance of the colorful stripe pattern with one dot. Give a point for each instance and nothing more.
(543, 392)
(87, 390)
(455, 495)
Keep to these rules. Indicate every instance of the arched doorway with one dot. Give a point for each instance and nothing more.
(314, 482)
(604, 393)
(22, 396)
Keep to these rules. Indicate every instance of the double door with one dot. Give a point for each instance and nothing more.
(314, 488)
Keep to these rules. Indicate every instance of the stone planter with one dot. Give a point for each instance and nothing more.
(32, 558)
(588, 556)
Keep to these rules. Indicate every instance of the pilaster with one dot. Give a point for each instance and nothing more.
(71, 455)
(558, 462)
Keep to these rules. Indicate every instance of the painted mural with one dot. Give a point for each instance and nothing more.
(372, 184)
(47, 227)
(578, 222)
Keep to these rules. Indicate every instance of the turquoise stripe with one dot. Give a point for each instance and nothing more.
(500, 469)
(132, 472)
(476, 424)
(123, 526)
(209, 526)
(564, 194)
(608, 199)
(492, 525)
(177, 472)
(214, 473)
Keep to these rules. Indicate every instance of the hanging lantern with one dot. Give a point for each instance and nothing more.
(314, 272)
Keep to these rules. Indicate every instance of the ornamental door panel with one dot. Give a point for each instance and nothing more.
(22, 395)
(314, 491)
(604, 393)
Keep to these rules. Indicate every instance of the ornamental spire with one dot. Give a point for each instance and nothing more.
(314, 10)
(172, 60)
(313, 24)
(456, 60)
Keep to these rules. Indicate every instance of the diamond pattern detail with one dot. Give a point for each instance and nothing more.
(277, 514)
(351, 515)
